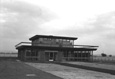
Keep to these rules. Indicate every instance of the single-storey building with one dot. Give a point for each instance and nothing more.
(45, 48)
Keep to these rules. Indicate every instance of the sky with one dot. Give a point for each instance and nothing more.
(92, 21)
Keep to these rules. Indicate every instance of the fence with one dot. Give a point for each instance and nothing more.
(8, 54)
(104, 59)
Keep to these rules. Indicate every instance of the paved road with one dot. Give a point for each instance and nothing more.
(10, 69)
(110, 71)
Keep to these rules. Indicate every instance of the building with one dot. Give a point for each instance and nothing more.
(44, 48)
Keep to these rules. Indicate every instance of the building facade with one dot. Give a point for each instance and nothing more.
(44, 48)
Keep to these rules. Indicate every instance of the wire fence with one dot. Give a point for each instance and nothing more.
(8, 54)
(104, 59)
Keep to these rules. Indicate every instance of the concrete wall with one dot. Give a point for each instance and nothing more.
(59, 56)
(41, 56)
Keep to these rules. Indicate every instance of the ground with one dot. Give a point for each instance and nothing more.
(11, 69)
(96, 65)
(70, 72)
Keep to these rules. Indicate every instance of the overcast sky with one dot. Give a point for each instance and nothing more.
(92, 21)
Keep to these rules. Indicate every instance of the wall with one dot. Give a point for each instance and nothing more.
(41, 56)
(52, 42)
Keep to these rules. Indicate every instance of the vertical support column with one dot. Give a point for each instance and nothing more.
(42, 55)
(72, 42)
(38, 55)
(67, 52)
(69, 55)
(18, 54)
(81, 55)
(31, 54)
(60, 56)
(88, 55)
(77, 55)
(25, 55)
(22, 54)
(92, 56)
(73, 55)
(84, 55)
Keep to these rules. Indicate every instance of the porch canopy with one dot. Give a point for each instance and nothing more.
(76, 48)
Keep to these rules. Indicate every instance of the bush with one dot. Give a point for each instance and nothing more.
(110, 55)
(103, 55)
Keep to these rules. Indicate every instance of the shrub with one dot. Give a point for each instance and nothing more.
(103, 55)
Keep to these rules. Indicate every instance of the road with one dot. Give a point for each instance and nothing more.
(86, 67)
(11, 69)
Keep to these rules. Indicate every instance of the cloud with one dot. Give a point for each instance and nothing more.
(104, 26)
(97, 31)
(101, 25)
(20, 19)
(105, 30)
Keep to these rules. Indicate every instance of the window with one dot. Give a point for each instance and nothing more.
(31, 53)
(45, 39)
(65, 53)
(49, 39)
(28, 52)
(34, 53)
(64, 40)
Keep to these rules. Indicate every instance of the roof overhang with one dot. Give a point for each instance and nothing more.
(56, 48)
(50, 36)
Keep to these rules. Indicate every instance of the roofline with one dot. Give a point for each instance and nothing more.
(50, 36)
(22, 43)
(56, 48)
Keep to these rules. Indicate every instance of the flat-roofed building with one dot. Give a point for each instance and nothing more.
(45, 48)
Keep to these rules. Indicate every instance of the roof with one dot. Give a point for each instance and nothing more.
(57, 48)
(50, 36)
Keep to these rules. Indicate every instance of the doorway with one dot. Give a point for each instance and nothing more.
(50, 56)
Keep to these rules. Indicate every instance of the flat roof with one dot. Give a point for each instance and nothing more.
(56, 48)
(51, 36)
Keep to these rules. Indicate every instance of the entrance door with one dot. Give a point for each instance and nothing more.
(52, 56)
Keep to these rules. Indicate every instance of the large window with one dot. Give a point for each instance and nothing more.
(31, 52)
(31, 55)
(34, 53)
(65, 53)
(28, 52)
